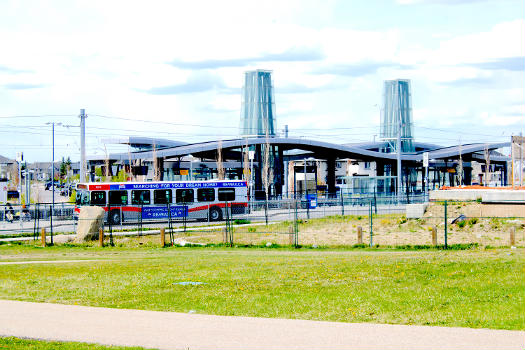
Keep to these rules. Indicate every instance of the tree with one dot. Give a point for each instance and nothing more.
(63, 168)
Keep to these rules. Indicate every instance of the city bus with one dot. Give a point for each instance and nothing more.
(132, 201)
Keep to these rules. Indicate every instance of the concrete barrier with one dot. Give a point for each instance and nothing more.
(486, 196)
(416, 211)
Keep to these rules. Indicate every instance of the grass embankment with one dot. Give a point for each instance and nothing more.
(12, 343)
(472, 288)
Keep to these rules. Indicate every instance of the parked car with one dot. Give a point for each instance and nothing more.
(49, 184)
(67, 189)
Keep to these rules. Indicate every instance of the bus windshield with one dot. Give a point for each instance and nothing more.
(82, 198)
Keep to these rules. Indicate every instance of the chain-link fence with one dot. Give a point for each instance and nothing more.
(316, 222)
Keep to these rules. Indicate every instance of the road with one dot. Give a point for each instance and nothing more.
(171, 330)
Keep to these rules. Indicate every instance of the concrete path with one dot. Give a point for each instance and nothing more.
(170, 330)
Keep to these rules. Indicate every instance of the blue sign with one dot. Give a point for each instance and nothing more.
(311, 201)
(168, 185)
(162, 212)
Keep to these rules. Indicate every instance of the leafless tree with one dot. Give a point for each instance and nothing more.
(106, 175)
(156, 175)
(246, 170)
(220, 164)
(131, 176)
(460, 170)
(487, 165)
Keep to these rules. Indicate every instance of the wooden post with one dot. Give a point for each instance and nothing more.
(434, 236)
(291, 234)
(101, 237)
(359, 235)
(512, 236)
(43, 236)
(162, 237)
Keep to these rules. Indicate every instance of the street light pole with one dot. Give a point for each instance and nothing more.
(305, 186)
(53, 174)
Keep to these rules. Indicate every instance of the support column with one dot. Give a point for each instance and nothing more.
(467, 175)
(330, 176)
(160, 169)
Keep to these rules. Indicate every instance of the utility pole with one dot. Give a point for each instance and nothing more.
(53, 175)
(28, 186)
(512, 160)
(82, 145)
(20, 159)
(521, 159)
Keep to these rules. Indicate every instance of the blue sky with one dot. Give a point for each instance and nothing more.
(181, 63)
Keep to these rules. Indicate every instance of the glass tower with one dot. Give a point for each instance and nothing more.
(258, 105)
(397, 108)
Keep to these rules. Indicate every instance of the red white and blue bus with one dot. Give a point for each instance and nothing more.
(132, 201)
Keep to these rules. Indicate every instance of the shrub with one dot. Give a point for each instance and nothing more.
(241, 221)
(472, 221)
(461, 224)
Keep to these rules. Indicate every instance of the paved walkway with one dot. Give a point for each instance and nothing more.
(170, 330)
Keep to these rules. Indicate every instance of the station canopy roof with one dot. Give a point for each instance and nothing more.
(369, 151)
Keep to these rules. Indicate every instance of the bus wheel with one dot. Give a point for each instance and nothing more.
(215, 214)
(114, 217)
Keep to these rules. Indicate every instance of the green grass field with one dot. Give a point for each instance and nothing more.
(469, 288)
(12, 343)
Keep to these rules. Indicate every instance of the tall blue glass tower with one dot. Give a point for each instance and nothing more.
(258, 105)
(397, 108)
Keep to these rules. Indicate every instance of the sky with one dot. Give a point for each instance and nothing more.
(174, 69)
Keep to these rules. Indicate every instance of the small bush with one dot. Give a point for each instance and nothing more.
(252, 229)
(461, 224)
(472, 221)
(402, 220)
(241, 221)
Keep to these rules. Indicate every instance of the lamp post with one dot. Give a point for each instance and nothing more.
(53, 174)
(251, 155)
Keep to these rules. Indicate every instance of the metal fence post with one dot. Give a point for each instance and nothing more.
(266, 211)
(110, 225)
(51, 211)
(371, 224)
(170, 226)
(342, 203)
(446, 226)
(296, 226)
(35, 224)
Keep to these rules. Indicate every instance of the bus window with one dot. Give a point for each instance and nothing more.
(206, 194)
(85, 198)
(162, 196)
(118, 197)
(78, 198)
(98, 198)
(82, 198)
(140, 197)
(226, 194)
(185, 196)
